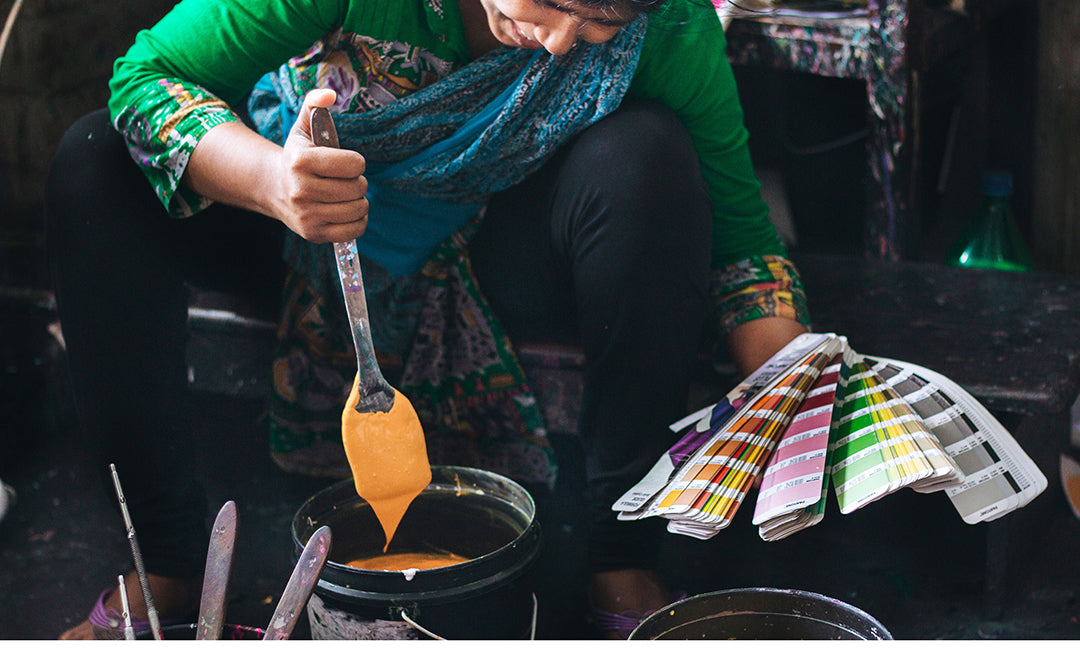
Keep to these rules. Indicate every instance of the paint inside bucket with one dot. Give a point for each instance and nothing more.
(760, 613)
(482, 516)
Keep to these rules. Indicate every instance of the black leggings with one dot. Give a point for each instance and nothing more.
(606, 246)
(121, 268)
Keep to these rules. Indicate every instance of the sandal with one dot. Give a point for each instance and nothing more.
(624, 622)
(108, 623)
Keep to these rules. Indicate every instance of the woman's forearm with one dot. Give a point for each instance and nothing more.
(753, 343)
(234, 165)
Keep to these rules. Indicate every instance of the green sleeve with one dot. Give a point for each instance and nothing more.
(684, 65)
(179, 78)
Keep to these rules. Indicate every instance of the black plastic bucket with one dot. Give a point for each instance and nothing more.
(480, 515)
(760, 613)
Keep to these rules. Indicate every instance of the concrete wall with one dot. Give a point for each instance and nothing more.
(55, 68)
(1057, 137)
(60, 53)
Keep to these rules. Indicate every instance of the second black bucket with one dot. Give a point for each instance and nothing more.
(480, 515)
(760, 613)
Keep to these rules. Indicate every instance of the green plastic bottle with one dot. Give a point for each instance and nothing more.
(992, 240)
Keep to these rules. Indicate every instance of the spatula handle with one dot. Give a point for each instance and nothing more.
(376, 394)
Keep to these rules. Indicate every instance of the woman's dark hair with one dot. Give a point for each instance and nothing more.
(646, 6)
(641, 6)
(681, 15)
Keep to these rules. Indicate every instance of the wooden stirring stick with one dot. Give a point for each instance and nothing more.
(219, 557)
(302, 581)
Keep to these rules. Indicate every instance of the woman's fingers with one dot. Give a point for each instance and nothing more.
(325, 186)
(316, 188)
(337, 232)
(321, 221)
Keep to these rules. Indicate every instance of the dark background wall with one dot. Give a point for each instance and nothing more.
(55, 68)
(978, 103)
(1057, 136)
(1019, 100)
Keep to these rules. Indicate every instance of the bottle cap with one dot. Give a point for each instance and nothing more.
(997, 183)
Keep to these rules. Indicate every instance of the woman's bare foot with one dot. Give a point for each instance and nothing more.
(632, 590)
(173, 598)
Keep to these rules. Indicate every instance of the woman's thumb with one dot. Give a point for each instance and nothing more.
(320, 98)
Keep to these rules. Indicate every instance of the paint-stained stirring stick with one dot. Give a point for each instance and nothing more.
(129, 631)
(151, 612)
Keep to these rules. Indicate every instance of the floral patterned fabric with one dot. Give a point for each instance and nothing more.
(765, 286)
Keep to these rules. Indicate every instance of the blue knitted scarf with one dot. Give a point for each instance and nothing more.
(434, 157)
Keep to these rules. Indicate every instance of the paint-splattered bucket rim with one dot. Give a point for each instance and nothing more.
(761, 601)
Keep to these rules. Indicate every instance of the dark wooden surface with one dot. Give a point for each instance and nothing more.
(1012, 340)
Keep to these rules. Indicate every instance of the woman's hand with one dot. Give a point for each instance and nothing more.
(318, 192)
(322, 188)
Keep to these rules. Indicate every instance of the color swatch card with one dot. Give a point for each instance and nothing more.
(795, 483)
(820, 414)
(999, 475)
(707, 487)
(881, 445)
(703, 425)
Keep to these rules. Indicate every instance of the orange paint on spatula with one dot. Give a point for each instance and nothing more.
(388, 457)
(383, 439)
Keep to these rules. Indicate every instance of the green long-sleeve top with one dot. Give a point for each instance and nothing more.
(181, 76)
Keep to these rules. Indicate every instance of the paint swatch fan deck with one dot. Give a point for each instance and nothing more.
(820, 414)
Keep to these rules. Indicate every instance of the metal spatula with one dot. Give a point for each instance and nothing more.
(300, 586)
(383, 438)
(216, 577)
